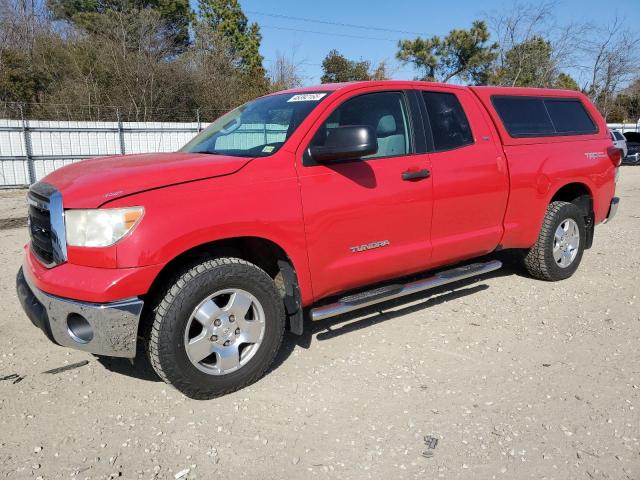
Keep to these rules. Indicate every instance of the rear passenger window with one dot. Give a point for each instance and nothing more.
(524, 116)
(569, 116)
(449, 124)
(543, 117)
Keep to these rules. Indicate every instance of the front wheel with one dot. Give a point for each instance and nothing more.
(560, 245)
(217, 328)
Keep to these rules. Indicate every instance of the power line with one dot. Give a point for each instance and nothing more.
(327, 22)
(331, 34)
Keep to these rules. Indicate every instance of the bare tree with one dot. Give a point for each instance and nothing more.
(611, 58)
(522, 27)
(21, 21)
(135, 46)
(211, 67)
(123, 60)
(285, 73)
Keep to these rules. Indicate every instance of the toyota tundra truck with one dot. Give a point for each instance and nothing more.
(306, 204)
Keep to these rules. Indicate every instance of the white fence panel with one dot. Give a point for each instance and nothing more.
(74, 139)
(33, 149)
(13, 173)
(13, 168)
(625, 127)
(156, 136)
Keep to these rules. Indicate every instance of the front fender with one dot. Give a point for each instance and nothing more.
(182, 217)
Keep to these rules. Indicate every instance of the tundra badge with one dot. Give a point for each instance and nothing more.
(369, 246)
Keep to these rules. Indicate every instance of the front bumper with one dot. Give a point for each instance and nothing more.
(613, 209)
(109, 329)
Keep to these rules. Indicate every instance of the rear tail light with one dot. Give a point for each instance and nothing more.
(615, 155)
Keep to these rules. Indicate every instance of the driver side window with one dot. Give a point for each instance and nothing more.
(385, 112)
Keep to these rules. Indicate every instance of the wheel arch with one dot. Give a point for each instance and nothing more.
(580, 194)
(262, 252)
(571, 191)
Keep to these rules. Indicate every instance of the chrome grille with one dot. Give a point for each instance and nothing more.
(46, 224)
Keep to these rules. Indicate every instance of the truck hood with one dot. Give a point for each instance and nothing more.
(90, 183)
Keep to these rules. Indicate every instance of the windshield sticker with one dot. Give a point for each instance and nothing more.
(307, 97)
(268, 149)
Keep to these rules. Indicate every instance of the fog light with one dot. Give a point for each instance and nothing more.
(79, 328)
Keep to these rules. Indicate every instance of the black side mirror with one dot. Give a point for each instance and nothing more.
(346, 142)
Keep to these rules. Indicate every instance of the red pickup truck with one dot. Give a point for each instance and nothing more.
(309, 203)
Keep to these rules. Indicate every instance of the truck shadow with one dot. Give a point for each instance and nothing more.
(392, 309)
(140, 368)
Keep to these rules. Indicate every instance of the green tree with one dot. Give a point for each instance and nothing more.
(18, 80)
(219, 84)
(527, 64)
(226, 19)
(531, 63)
(462, 54)
(337, 68)
(87, 14)
(380, 73)
(566, 82)
(627, 104)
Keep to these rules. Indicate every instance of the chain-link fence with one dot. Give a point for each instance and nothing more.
(106, 113)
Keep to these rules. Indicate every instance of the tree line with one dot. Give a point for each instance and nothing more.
(153, 59)
(522, 47)
(160, 60)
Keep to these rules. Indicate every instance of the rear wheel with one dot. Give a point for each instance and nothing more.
(560, 245)
(217, 328)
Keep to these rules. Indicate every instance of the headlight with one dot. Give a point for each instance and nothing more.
(100, 227)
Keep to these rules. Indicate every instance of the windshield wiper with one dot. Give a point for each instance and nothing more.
(208, 152)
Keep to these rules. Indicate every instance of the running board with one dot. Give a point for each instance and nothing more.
(389, 292)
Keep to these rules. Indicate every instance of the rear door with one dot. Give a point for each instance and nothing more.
(470, 177)
(364, 222)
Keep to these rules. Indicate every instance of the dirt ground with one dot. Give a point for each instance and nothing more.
(13, 208)
(516, 378)
(13, 203)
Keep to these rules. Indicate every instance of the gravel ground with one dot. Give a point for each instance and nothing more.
(13, 208)
(516, 378)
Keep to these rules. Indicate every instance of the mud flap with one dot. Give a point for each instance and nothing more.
(292, 302)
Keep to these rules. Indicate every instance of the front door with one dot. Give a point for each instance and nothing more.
(364, 222)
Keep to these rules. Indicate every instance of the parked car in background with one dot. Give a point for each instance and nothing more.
(619, 141)
(309, 203)
(632, 156)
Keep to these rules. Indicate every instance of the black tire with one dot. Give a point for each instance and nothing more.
(539, 259)
(166, 347)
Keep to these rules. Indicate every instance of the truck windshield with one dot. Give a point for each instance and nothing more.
(258, 128)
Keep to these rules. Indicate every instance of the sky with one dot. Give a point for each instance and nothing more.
(298, 39)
